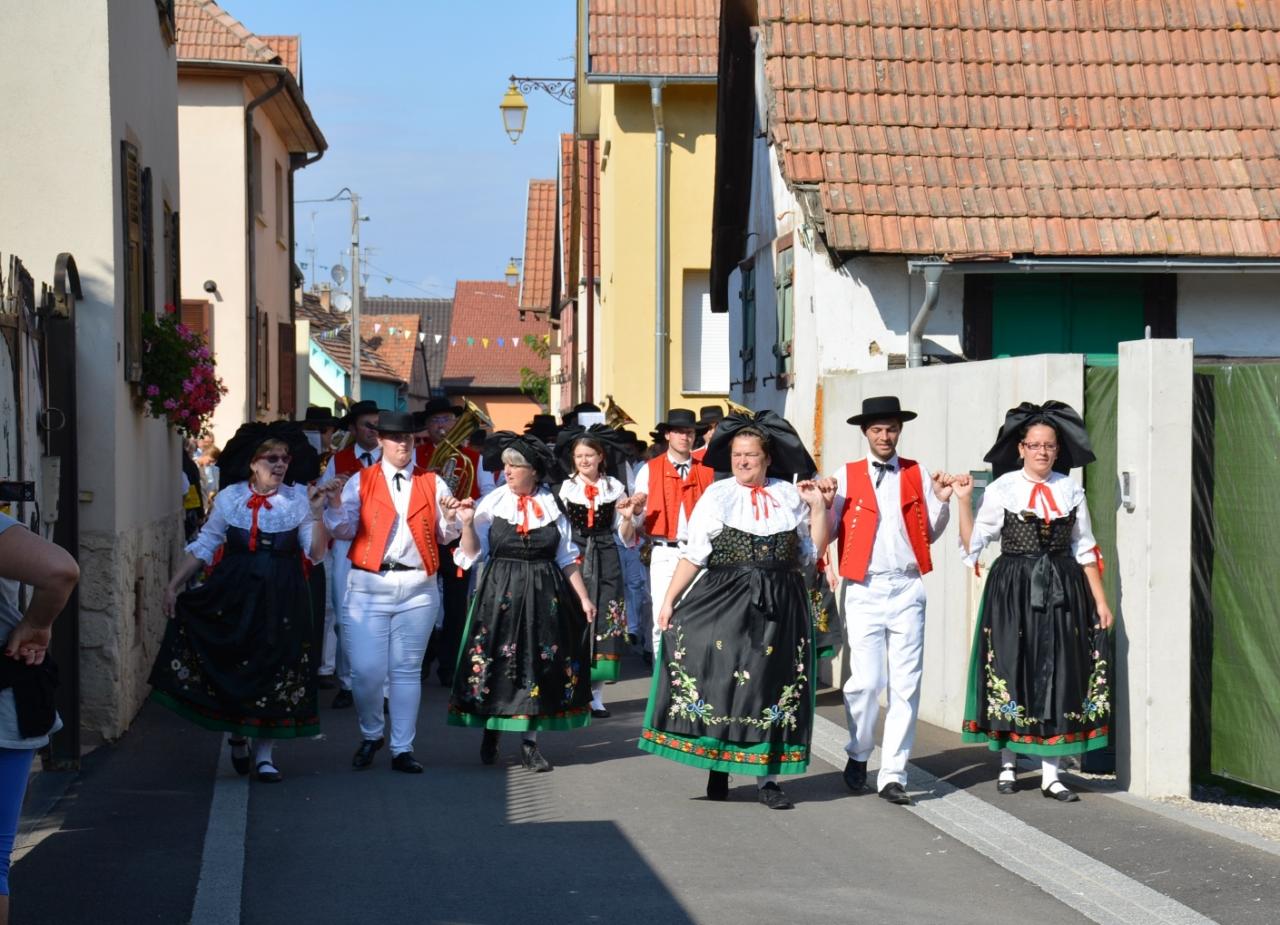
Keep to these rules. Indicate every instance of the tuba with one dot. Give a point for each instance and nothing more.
(614, 416)
(735, 408)
(447, 460)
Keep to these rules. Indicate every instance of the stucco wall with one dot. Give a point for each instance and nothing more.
(508, 412)
(1230, 315)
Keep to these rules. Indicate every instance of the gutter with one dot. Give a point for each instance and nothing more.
(251, 255)
(1099, 265)
(660, 332)
(666, 79)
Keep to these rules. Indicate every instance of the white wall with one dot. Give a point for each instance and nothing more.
(1230, 315)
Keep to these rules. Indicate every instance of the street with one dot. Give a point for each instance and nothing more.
(157, 828)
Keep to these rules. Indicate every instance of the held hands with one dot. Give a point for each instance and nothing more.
(332, 491)
(627, 506)
(943, 484)
(638, 501)
(28, 643)
(812, 494)
(450, 507)
(465, 511)
(962, 485)
(828, 487)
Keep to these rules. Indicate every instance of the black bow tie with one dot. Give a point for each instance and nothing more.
(397, 477)
(682, 469)
(366, 458)
(881, 469)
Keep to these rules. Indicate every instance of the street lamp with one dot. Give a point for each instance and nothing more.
(514, 109)
(512, 274)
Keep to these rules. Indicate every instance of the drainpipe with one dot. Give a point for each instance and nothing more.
(915, 338)
(590, 388)
(660, 333)
(251, 254)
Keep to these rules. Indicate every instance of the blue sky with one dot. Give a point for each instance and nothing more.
(407, 95)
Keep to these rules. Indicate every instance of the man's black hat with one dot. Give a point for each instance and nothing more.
(440, 405)
(359, 409)
(681, 417)
(710, 414)
(317, 417)
(544, 427)
(395, 422)
(881, 408)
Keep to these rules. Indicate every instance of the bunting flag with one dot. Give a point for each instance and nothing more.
(376, 328)
(422, 336)
(485, 341)
(500, 343)
(453, 341)
(408, 334)
(471, 341)
(515, 340)
(391, 331)
(439, 337)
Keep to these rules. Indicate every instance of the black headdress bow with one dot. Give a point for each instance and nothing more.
(787, 455)
(1074, 448)
(237, 455)
(530, 447)
(614, 446)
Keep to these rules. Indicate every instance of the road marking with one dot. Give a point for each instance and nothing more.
(222, 863)
(1093, 889)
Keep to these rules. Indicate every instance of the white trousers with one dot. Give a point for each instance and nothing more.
(336, 568)
(884, 620)
(662, 568)
(386, 622)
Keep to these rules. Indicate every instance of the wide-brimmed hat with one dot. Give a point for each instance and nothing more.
(680, 418)
(544, 427)
(880, 408)
(395, 422)
(710, 414)
(440, 405)
(359, 409)
(318, 416)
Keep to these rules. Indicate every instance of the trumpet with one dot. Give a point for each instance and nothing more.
(448, 460)
(735, 408)
(614, 416)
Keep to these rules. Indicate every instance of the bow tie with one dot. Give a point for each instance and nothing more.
(366, 458)
(398, 477)
(682, 469)
(881, 469)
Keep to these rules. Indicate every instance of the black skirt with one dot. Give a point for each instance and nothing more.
(602, 574)
(237, 655)
(526, 651)
(1039, 679)
(732, 686)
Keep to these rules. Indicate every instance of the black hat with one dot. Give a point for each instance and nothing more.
(787, 454)
(681, 417)
(359, 409)
(543, 426)
(585, 406)
(237, 455)
(395, 422)
(1074, 446)
(569, 419)
(880, 408)
(710, 414)
(530, 446)
(440, 406)
(317, 417)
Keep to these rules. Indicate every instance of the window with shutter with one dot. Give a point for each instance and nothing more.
(197, 314)
(286, 369)
(705, 348)
(784, 284)
(264, 360)
(131, 207)
(148, 245)
(748, 352)
(173, 239)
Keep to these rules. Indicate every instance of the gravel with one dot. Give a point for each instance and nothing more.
(1216, 804)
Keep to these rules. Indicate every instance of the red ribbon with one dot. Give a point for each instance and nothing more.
(1040, 491)
(760, 500)
(256, 503)
(591, 492)
(523, 504)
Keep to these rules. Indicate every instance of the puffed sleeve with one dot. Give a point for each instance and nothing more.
(343, 521)
(567, 552)
(986, 525)
(705, 524)
(1083, 544)
(481, 523)
(214, 532)
(448, 529)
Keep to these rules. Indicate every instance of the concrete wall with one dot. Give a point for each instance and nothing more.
(625, 358)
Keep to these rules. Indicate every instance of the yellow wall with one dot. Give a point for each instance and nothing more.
(625, 364)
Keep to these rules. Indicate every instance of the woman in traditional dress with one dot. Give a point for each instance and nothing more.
(525, 660)
(734, 684)
(237, 653)
(599, 513)
(1038, 676)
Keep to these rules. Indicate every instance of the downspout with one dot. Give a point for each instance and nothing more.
(251, 255)
(660, 333)
(590, 385)
(915, 338)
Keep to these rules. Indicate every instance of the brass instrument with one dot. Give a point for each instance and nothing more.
(447, 460)
(614, 416)
(735, 408)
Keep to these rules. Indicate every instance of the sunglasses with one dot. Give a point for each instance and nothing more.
(273, 459)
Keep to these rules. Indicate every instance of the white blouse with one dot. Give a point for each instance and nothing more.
(573, 491)
(289, 508)
(1012, 492)
(503, 504)
(728, 503)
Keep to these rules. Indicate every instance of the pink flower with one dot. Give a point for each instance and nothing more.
(153, 391)
(170, 404)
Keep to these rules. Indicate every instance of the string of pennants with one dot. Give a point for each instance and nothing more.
(514, 341)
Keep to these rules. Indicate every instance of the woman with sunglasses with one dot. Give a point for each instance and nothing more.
(1038, 676)
(237, 654)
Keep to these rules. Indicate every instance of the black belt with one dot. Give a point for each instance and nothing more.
(659, 541)
(392, 567)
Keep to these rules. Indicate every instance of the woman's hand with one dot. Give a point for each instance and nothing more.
(1105, 618)
(588, 609)
(465, 511)
(828, 487)
(28, 643)
(450, 507)
(317, 498)
(638, 500)
(812, 494)
(170, 599)
(943, 485)
(665, 615)
(962, 485)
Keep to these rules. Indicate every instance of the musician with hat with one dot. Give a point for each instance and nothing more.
(395, 514)
(667, 488)
(318, 425)
(362, 450)
(887, 510)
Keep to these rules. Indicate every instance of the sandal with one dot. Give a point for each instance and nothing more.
(239, 762)
(268, 774)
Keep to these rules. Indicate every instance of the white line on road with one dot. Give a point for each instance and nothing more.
(222, 864)
(1093, 889)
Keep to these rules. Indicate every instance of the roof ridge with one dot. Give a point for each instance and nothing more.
(215, 14)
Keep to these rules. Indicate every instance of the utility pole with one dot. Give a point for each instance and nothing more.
(355, 298)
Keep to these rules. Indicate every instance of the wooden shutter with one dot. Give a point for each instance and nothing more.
(174, 238)
(197, 314)
(286, 369)
(264, 359)
(148, 245)
(784, 289)
(748, 352)
(131, 208)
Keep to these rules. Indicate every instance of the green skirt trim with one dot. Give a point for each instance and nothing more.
(570, 719)
(606, 668)
(247, 726)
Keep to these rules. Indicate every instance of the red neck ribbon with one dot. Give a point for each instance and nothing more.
(256, 503)
(591, 492)
(524, 503)
(760, 501)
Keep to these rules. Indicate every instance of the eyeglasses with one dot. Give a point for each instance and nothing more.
(1037, 447)
(272, 459)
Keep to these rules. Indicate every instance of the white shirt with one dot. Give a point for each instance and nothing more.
(503, 504)
(642, 487)
(345, 521)
(375, 455)
(289, 508)
(728, 503)
(891, 550)
(1012, 492)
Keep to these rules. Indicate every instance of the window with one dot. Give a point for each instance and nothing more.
(748, 352)
(256, 177)
(705, 360)
(172, 258)
(281, 228)
(784, 285)
(148, 245)
(134, 298)
(197, 314)
(286, 369)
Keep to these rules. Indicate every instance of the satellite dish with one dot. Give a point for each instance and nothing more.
(341, 302)
(338, 273)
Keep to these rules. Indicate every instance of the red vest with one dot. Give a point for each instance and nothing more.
(857, 530)
(378, 514)
(668, 493)
(426, 448)
(345, 461)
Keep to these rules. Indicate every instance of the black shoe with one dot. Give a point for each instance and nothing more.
(407, 763)
(1006, 786)
(601, 713)
(446, 678)
(772, 796)
(531, 758)
(343, 699)
(1058, 791)
(364, 754)
(896, 794)
(647, 658)
(855, 775)
(242, 762)
(718, 786)
(489, 747)
(633, 640)
(326, 682)
(267, 773)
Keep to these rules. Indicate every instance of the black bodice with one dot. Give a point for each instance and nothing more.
(506, 542)
(1029, 535)
(577, 514)
(733, 548)
(280, 545)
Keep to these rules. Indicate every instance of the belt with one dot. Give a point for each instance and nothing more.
(659, 541)
(391, 567)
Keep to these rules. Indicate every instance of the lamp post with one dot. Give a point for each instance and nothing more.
(356, 219)
(514, 109)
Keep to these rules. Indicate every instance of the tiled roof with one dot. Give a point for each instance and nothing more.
(321, 318)
(289, 49)
(337, 344)
(654, 37)
(566, 208)
(539, 246)
(394, 337)
(434, 317)
(1031, 126)
(207, 32)
(490, 309)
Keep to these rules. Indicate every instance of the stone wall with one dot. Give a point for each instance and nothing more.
(121, 623)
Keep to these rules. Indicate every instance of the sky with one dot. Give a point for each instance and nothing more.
(407, 94)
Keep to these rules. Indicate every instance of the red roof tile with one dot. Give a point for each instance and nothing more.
(490, 310)
(1050, 128)
(539, 246)
(289, 49)
(394, 338)
(654, 37)
(207, 32)
(337, 343)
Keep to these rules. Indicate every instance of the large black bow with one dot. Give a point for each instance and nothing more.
(237, 455)
(1074, 448)
(787, 455)
(615, 444)
(530, 447)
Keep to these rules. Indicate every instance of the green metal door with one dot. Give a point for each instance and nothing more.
(1065, 313)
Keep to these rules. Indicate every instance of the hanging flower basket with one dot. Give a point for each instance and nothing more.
(179, 383)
